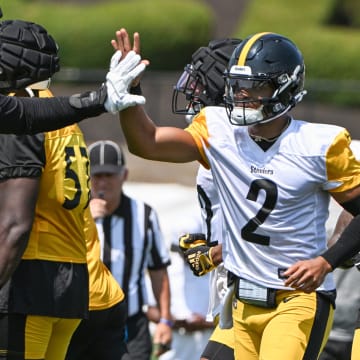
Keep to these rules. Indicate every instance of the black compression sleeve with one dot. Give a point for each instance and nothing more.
(352, 206)
(33, 115)
(57, 113)
(347, 246)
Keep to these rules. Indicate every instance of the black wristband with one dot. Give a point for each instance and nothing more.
(90, 100)
(347, 246)
(136, 90)
(352, 206)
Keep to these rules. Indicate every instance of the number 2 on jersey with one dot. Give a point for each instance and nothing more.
(271, 194)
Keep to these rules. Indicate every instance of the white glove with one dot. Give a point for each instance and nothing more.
(118, 81)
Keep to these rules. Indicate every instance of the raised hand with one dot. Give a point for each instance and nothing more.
(123, 71)
(123, 43)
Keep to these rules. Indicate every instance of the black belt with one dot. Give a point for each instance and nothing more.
(251, 293)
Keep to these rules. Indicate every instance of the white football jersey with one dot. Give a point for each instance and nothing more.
(213, 229)
(275, 202)
(210, 206)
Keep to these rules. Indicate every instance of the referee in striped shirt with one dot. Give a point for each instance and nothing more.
(131, 244)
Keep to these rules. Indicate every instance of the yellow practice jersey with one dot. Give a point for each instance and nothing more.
(64, 229)
(58, 229)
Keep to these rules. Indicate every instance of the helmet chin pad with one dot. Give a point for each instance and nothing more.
(243, 116)
(28, 54)
(246, 116)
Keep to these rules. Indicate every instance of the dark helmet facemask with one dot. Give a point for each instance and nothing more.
(187, 92)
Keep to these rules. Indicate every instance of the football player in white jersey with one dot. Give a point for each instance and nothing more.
(202, 84)
(274, 176)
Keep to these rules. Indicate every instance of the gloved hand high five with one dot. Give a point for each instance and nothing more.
(118, 81)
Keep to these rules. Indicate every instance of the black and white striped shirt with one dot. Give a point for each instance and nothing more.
(132, 242)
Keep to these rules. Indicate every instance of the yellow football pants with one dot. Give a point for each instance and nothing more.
(296, 329)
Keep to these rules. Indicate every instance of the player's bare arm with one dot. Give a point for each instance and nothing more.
(149, 141)
(342, 222)
(161, 289)
(18, 198)
(216, 254)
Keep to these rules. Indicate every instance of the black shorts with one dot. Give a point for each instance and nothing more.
(102, 336)
(47, 288)
(138, 337)
(217, 351)
(12, 338)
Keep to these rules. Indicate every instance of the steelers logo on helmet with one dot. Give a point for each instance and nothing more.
(28, 54)
(264, 79)
(202, 82)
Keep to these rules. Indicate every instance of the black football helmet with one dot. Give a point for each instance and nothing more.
(28, 55)
(202, 82)
(264, 60)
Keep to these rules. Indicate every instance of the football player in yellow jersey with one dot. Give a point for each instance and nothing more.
(45, 180)
(274, 176)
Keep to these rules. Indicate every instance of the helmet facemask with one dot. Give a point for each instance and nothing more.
(187, 92)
